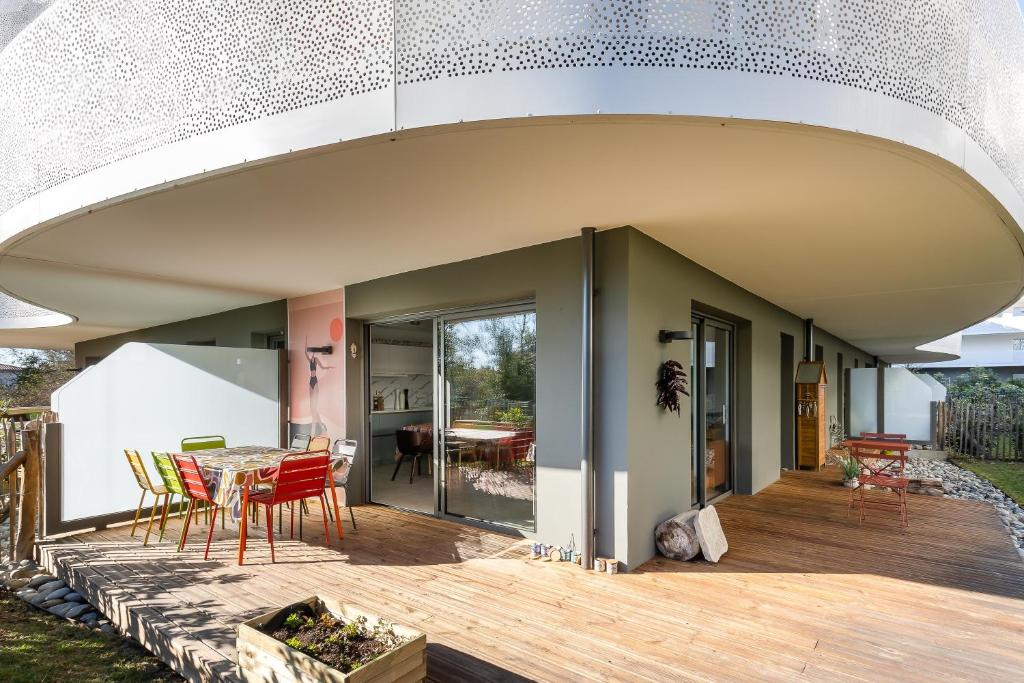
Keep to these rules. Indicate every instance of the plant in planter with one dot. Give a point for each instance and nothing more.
(851, 470)
(322, 640)
(671, 383)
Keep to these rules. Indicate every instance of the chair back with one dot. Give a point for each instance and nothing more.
(138, 469)
(202, 443)
(168, 472)
(319, 443)
(300, 442)
(301, 475)
(882, 436)
(192, 477)
(345, 456)
(408, 443)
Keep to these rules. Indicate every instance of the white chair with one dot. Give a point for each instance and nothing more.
(345, 452)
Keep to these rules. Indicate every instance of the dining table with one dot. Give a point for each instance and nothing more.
(233, 473)
(481, 437)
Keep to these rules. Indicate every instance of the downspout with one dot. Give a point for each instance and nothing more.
(809, 339)
(587, 402)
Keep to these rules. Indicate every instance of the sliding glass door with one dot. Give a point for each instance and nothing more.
(712, 455)
(487, 408)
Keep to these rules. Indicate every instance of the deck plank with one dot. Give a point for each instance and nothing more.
(804, 593)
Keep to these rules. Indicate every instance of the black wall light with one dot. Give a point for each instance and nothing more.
(668, 336)
(326, 350)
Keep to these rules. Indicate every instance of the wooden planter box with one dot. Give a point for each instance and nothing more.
(262, 657)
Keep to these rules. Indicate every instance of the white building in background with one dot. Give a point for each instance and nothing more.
(996, 343)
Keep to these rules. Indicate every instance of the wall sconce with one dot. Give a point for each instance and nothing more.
(353, 350)
(326, 350)
(669, 336)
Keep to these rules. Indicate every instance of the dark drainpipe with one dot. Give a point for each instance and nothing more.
(587, 402)
(809, 339)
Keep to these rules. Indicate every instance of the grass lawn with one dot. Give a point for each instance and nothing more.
(37, 648)
(1007, 476)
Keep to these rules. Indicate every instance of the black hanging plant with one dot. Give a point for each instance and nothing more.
(671, 382)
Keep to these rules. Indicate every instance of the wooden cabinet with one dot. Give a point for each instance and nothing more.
(810, 415)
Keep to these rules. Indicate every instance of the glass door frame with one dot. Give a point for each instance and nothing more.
(438, 317)
(698, 416)
(440, 468)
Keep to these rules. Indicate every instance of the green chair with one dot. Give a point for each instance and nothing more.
(168, 472)
(202, 443)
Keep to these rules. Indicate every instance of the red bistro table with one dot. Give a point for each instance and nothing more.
(885, 461)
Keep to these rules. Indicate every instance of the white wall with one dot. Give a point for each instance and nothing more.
(908, 404)
(147, 397)
(863, 401)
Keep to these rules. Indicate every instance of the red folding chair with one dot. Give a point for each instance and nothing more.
(198, 490)
(300, 476)
(885, 462)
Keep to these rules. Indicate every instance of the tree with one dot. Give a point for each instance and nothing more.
(42, 373)
(980, 385)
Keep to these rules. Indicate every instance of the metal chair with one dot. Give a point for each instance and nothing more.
(344, 457)
(147, 486)
(299, 476)
(202, 443)
(319, 443)
(168, 472)
(198, 491)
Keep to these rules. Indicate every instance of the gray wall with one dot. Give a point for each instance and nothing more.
(642, 453)
(240, 328)
(663, 289)
(548, 274)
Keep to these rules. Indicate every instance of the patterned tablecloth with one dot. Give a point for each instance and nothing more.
(229, 471)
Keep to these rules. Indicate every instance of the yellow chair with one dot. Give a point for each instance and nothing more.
(319, 443)
(147, 486)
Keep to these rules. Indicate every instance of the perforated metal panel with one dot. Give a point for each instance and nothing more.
(94, 81)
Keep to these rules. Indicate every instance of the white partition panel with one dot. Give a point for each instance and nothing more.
(863, 401)
(908, 405)
(147, 397)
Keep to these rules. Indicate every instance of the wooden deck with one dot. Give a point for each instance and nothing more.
(803, 593)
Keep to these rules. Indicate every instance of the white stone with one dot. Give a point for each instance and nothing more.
(676, 537)
(710, 534)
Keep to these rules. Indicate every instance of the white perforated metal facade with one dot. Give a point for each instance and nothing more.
(92, 82)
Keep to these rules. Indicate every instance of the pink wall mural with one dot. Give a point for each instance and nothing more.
(317, 379)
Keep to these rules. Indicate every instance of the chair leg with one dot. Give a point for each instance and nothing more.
(270, 531)
(209, 535)
(188, 520)
(291, 514)
(138, 511)
(164, 514)
(412, 466)
(330, 515)
(223, 514)
(861, 505)
(327, 528)
(280, 519)
(152, 516)
(351, 514)
(398, 466)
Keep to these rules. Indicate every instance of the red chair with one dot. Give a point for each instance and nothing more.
(198, 490)
(300, 476)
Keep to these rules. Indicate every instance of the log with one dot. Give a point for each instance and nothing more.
(29, 504)
(676, 537)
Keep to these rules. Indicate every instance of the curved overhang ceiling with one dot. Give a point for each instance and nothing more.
(884, 245)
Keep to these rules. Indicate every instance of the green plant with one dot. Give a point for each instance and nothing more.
(294, 620)
(515, 416)
(850, 468)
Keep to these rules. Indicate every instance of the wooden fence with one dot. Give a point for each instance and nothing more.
(20, 479)
(991, 431)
